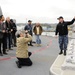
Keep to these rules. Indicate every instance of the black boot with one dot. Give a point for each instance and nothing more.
(60, 52)
(64, 52)
(5, 53)
(1, 54)
(18, 65)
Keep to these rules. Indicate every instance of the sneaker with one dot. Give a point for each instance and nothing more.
(5, 53)
(40, 45)
(7, 50)
(18, 65)
(36, 44)
(1, 54)
(31, 45)
(10, 49)
(15, 46)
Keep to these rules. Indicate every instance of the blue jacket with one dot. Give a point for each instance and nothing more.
(29, 29)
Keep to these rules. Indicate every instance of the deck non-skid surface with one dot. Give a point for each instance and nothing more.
(42, 59)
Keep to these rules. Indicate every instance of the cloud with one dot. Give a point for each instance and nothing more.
(41, 10)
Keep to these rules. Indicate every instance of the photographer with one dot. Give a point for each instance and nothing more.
(14, 27)
(2, 36)
(29, 29)
(9, 31)
(62, 31)
(22, 53)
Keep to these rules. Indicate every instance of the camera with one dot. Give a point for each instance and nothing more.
(26, 32)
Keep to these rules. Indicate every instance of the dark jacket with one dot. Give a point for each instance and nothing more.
(1, 29)
(29, 29)
(40, 30)
(14, 27)
(62, 28)
(9, 26)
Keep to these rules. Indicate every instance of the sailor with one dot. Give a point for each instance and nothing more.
(29, 29)
(62, 29)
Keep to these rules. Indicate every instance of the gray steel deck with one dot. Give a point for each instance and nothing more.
(42, 59)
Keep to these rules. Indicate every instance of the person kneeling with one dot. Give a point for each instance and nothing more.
(22, 53)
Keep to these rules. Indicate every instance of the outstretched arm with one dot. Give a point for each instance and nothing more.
(70, 22)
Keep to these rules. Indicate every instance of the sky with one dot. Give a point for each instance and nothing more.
(43, 11)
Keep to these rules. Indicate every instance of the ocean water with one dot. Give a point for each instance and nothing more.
(44, 33)
(49, 34)
(20, 27)
(71, 34)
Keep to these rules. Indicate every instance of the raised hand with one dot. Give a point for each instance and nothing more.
(74, 17)
(3, 31)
